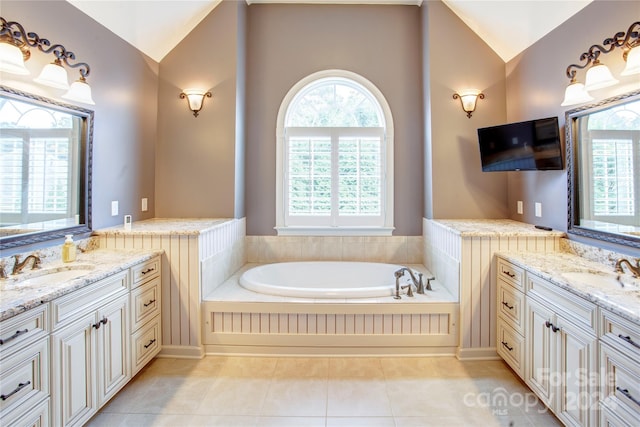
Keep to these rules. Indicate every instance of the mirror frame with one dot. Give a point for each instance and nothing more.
(86, 153)
(573, 226)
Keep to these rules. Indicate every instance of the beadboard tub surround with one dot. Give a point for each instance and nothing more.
(239, 321)
(460, 252)
(199, 254)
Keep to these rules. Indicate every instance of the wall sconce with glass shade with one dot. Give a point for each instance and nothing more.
(468, 100)
(598, 75)
(15, 44)
(195, 99)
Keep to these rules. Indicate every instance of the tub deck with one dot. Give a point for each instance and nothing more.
(239, 321)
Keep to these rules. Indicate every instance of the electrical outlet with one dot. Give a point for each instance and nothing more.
(114, 208)
(520, 207)
(538, 209)
(144, 204)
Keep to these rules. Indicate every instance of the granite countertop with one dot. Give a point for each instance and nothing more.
(495, 227)
(553, 265)
(165, 226)
(98, 265)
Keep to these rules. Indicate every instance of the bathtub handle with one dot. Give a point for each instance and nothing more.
(409, 290)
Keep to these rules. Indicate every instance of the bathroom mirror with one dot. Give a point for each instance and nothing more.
(603, 170)
(45, 169)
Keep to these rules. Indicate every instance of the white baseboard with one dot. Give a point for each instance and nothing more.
(483, 353)
(181, 352)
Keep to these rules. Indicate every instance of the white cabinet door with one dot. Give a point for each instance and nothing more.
(74, 356)
(541, 343)
(577, 397)
(113, 360)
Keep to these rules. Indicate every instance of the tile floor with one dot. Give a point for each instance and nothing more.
(325, 391)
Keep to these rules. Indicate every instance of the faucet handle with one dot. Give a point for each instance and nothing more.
(429, 279)
(409, 290)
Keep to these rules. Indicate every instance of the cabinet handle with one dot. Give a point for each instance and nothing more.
(506, 304)
(507, 346)
(628, 395)
(626, 338)
(508, 273)
(20, 387)
(14, 336)
(148, 270)
(150, 342)
(553, 327)
(149, 303)
(101, 322)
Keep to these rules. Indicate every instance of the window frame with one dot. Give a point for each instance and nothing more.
(349, 228)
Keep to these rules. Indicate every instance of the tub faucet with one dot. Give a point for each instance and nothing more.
(398, 274)
(634, 270)
(418, 283)
(19, 265)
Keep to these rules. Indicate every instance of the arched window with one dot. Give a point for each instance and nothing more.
(335, 158)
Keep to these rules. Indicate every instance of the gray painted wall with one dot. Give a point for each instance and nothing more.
(536, 81)
(198, 158)
(289, 42)
(457, 60)
(124, 87)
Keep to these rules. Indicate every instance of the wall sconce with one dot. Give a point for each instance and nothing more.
(468, 100)
(598, 75)
(195, 99)
(14, 51)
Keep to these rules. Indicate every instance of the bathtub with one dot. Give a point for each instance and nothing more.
(323, 279)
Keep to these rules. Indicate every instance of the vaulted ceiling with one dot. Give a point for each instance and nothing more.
(155, 27)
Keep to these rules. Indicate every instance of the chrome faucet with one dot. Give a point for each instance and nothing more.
(634, 270)
(19, 265)
(418, 283)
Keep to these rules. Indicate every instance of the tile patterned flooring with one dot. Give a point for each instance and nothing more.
(325, 391)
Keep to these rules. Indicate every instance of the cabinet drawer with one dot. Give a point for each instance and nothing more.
(620, 333)
(33, 417)
(145, 303)
(511, 274)
(145, 344)
(24, 379)
(572, 307)
(616, 416)
(510, 347)
(66, 308)
(23, 328)
(145, 271)
(620, 380)
(510, 306)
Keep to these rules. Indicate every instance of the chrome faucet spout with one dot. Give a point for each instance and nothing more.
(18, 265)
(635, 270)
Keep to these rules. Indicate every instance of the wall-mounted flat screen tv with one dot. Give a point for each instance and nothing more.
(522, 146)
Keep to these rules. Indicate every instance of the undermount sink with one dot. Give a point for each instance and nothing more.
(605, 281)
(50, 276)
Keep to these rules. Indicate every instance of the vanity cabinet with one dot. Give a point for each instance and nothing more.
(145, 313)
(510, 322)
(620, 371)
(24, 369)
(562, 351)
(90, 346)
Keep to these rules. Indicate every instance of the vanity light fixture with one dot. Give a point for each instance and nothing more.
(195, 99)
(598, 75)
(15, 44)
(468, 100)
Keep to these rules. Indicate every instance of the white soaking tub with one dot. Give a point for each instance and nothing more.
(323, 279)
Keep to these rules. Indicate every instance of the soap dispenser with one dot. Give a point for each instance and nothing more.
(68, 249)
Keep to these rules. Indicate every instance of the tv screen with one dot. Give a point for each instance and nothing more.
(522, 146)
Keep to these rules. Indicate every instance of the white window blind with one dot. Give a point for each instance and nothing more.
(612, 171)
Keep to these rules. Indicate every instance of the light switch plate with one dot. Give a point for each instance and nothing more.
(538, 209)
(144, 204)
(114, 208)
(520, 207)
